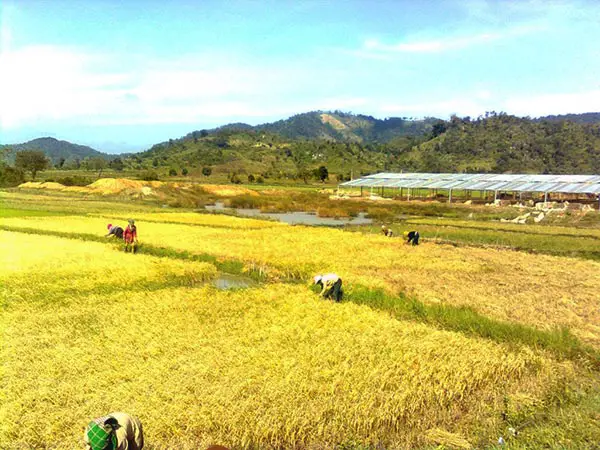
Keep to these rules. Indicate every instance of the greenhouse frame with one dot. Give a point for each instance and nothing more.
(405, 183)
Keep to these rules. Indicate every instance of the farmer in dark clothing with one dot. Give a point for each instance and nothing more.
(331, 286)
(114, 230)
(412, 237)
(130, 236)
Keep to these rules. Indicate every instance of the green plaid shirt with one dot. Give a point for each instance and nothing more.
(99, 436)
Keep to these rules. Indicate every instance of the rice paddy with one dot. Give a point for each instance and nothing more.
(540, 290)
(86, 329)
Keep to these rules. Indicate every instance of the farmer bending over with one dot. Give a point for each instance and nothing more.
(331, 286)
(130, 236)
(116, 431)
(387, 231)
(412, 237)
(114, 230)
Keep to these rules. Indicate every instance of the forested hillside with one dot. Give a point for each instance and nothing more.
(55, 150)
(491, 143)
(503, 143)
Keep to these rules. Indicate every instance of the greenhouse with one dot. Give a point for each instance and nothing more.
(480, 185)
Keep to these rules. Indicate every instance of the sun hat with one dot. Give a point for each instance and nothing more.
(317, 278)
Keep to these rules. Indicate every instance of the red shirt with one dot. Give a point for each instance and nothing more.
(130, 233)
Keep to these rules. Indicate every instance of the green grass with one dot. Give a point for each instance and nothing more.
(568, 243)
(12, 212)
(466, 320)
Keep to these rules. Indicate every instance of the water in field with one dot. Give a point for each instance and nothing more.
(226, 281)
(294, 218)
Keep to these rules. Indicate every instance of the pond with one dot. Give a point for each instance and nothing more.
(293, 218)
(226, 281)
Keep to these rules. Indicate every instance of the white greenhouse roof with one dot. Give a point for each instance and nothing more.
(572, 184)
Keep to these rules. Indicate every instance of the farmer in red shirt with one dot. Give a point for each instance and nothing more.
(130, 236)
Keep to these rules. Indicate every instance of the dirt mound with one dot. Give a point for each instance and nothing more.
(114, 185)
(227, 191)
(30, 185)
(53, 186)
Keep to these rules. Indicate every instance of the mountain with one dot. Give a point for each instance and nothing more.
(341, 127)
(55, 150)
(346, 143)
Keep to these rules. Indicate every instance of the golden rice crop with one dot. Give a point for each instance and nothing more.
(528, 228)
(68, 202)
(533, 289)
(273, 367)
(227, 190)
(46, 267)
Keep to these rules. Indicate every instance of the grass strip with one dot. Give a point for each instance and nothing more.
(464, 319)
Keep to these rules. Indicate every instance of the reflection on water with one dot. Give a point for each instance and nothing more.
(227, 281)
(293, 218)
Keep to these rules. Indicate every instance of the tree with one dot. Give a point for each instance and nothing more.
(251, 178)
(203, 133)
(155, 162)
(206, 171)
(438, 128)
(323, 173)
(117, 164)
(60, 163)
(172, 173)
(31, 160)
(98, 164)
(184, 172)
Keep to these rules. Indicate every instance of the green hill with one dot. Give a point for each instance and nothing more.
(346, 143)
(341, 127)
(592, 117)
(502, 143)
(56, 150)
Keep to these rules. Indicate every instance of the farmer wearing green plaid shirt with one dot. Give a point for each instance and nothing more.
(116, 431)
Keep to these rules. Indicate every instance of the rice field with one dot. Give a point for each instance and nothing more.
(36, 266)
(270, 367)
(86, 329)
(540, 290)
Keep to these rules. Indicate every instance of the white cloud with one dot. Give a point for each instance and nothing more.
(561, 103)
(464, 106)
(49, 83)
(373, 47)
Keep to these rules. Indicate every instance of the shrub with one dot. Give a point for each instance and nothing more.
(9, 176)
(149, 175)
(172, 173)
(73, 180)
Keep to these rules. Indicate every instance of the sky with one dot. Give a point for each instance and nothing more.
(124, 75)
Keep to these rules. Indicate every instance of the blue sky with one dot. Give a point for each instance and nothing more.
(123, 75)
